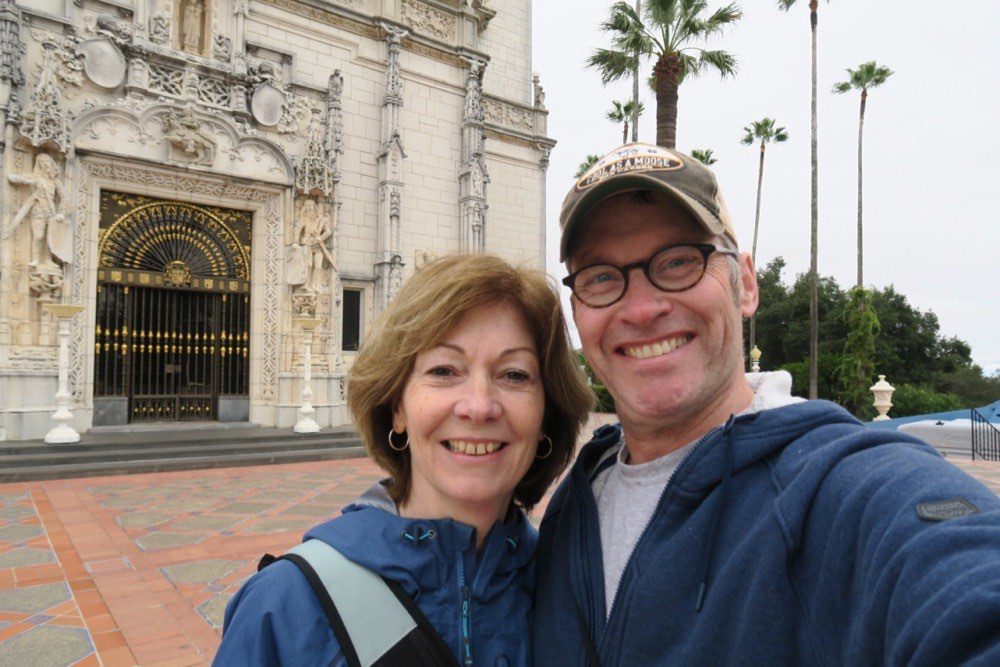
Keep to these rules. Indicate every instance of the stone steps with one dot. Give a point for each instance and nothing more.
(159, 451)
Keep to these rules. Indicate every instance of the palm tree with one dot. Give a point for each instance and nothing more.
(765, 132)
(665, 32)
(635, 88)
(586, 164)
(867, 75)
(624, 113)
(705, 156)
(785, 5)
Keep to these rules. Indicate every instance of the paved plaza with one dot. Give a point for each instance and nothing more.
(137, 569)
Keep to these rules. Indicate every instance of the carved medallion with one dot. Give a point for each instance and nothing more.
(103, 62)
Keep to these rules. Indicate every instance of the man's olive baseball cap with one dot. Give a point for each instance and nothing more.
(639, 166)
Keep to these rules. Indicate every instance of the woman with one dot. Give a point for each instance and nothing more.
(468, 395)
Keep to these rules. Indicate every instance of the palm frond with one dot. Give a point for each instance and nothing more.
(705, 156)
(722, 61)
(611, 65)
(842, 87)
(586, 164)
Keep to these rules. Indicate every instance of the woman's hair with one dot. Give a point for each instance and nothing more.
(424, 313)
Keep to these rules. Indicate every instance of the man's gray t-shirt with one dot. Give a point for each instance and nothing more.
(627, 494)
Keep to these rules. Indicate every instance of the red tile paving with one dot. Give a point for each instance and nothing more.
(151, 559)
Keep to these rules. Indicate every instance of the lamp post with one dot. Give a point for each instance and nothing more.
(62, 432)
(883, 398)
(755, 359)
(306, 423)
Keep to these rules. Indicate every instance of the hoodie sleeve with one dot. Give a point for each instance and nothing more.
(275, 619)
(897, 560)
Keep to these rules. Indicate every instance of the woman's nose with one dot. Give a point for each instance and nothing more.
(479, 403)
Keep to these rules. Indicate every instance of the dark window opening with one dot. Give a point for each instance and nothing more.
(351, 334)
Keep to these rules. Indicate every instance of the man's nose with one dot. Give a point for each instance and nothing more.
(643, 301)
(480, 402)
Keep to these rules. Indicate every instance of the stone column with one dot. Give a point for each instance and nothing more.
(473, 176)
(543, 164)
(389, 262)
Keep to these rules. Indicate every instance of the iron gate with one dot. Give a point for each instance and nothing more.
(173, 308)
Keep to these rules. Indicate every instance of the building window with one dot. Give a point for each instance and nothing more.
(351, 333)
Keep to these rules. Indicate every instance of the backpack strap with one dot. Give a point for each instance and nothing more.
(373, 619)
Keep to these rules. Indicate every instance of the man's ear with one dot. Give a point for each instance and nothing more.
(750, 296)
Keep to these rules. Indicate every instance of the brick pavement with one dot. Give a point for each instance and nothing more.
(137, 569)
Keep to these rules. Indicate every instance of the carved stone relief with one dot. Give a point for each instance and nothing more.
(192, 19)
(51, 232)
(159, 28)
(508, 115)
(539, 92)
(103, 62)
(309, 256)
(428, 20)
(222, 48)
(45, 123)
(187, 139)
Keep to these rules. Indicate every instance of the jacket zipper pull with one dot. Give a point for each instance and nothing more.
(466, 622)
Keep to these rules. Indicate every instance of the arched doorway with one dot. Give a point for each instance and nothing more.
(172, 331)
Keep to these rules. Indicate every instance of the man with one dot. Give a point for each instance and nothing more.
(724, 521)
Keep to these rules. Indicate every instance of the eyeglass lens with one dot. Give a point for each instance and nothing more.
(672, 270)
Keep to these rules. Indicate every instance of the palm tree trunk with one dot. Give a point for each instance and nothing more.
(861, 129)
(625, 133)
(753, 249)
(814, 229)
(667, 71)
(635, 87)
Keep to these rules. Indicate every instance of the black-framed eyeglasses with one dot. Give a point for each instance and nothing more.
(673, 268)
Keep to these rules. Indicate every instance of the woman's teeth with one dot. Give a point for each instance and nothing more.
(473, 448)
(656, 349)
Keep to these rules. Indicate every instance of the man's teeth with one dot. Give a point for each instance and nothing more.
(473, 448)
(656, 349)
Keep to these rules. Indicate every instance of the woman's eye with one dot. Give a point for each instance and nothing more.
(517, 376)
(440, 371)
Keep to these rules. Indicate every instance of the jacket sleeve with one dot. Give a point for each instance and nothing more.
(275, 619)
(879, 583)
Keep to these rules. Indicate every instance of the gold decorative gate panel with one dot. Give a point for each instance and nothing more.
(173, 307)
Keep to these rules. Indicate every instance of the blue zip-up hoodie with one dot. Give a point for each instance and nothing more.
(789, 536)
(480, 605)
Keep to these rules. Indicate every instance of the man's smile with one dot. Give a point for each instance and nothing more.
(655, 349)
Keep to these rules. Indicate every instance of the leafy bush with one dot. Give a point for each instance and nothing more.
(909, 399)
(604, 401)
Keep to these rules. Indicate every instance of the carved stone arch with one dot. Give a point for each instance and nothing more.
(142, 135)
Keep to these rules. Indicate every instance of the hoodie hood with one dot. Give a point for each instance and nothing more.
(422, 554)
(758, 439)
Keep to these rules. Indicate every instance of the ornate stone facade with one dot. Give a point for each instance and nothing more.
(295, 115)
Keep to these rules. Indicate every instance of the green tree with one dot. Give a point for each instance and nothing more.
(705, 156)
(586, 164)
(785, 5)
(868, 75)
(665, 30)
(764, 131)
(605, 403)
(624, 112)
(857, 366)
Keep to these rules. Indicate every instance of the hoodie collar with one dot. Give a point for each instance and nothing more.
(422, 553)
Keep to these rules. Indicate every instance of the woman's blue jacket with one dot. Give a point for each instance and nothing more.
(479, 604)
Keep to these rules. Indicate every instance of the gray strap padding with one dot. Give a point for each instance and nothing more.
(374, 618)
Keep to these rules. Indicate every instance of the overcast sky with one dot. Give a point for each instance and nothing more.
(932, 227)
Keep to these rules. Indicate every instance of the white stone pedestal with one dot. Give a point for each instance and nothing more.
(307, 422)
(62, 432)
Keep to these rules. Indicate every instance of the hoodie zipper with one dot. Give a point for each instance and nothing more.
(465, 620)
(628, 563)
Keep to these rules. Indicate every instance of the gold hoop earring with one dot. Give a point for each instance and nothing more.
(394, 447)
(548, 453)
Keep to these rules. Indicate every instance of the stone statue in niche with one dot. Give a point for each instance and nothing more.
(183, 131)
(51, 234)
(192, 22)
(308, 254)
